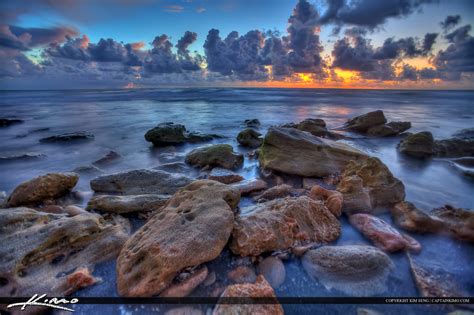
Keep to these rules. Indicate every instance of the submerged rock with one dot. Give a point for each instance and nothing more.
(88, 169)
(109, 158)
(393, 128)
(22, 157)
(457, 222)
(260, 289)
(128, 203)
(382, 234)
(192, 229)
(273, 270)
(363, 122)
(46, 253)
(138, 182)
(423, 145)
(280, 223)
(252, 123)
(72, 136)
(169, 133)
(368, 184)
(221, 155)
(353, 269)
(5, 122)
(187, 286)
(332, 199)
(224, 176)
(297, 152)
(250, 185)
(249, 138)
(41, 188)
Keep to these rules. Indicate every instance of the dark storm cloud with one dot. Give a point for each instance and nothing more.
(450, 21)
(407, 47)
(408, 73)
(184, 42)
(25, 38)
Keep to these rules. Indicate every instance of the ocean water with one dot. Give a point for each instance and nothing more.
(120, 118)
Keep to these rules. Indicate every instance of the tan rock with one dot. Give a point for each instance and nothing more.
(127, 203)
(192, 229)
(279, 191)
(332, 198)
(250, 185)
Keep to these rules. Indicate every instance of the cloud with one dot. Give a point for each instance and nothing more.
(26, 38)
(368, 13)
(450, 21)
(173, 8)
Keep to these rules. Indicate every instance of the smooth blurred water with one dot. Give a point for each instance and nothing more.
(120, 118)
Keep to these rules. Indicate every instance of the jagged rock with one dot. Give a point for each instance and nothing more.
(382, 234)
(391, 129)
(224, 176)
(242, 274)
(332, 199)
(291, 151)
(191, 229)
(363, 122)
(261, 288)
(250, 185)
(5, 122)
(41, 188)
(280, 223)
(353, 269)
(109, 158)
(169, 133)
(279, 191)
(252, 123)
(72, 136)
(467, 134)
(43, 252)
(185, 288)
(410, 218)
(138, 182)
(273, 270)
(369, 184)
(128, 203)
(249, 138)
(221, 155)
(22, 157)
(88, 169)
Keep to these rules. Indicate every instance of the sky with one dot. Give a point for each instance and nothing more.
(392, 44)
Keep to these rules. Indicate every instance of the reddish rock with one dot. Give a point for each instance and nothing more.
(79, 279)
(250, 185)
(187, 286)
(261, 288)
(381, 233)
(279, 191)
(332, 198)
(410, 218)
(282, 223)
(224, 176)
(242, 274)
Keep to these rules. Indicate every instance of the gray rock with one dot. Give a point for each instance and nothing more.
(422, 144)
(127, 204)
(466, 134)
(252, 123)
(363, 122)
(138, 182)
(22, 157)
(169, 133)
(391, 129)
(249, 138)
(107, 159)
(250, 185)
(72, 136)
(273, 270)
(221, 155)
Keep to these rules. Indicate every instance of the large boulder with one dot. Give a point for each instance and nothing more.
(128, 203)
(169, 133)
(41, 188)
(391, 129)
(279, 224)
(353, 269)
(420, 144)
(260, 289)
(369, 178)
(44, 253)
(192, 229)
(363, 122)
(382, 234)
(138, 182)
(249, 138)
(222, 155)
(296, 152)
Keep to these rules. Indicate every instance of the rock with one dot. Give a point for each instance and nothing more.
(273, 270)
(242, 274)
(138, 182)
(72, 136)
(169, 133)
(429, 284)
(368, 184)
(184, 310)
(457, 222)
(128, 203)
(74, 210)
(88, 169)
(185, 288)
(280, 223)
(260, 289)
(353, 269)
(420, 144)
(174, 167)
(309, 182)
(221, 155)
(224, 176)
(299, 251)
(249, 138)
(109, 158)
(467, 134)
(454, 148)
(40, 250)
(291, 151)
(210, 279)
(22, 157)
(279, 191)
(6, 122)
(51, 209)
(393, 128)
(363, 122)
(38, 189)
(408, 217)
(192, 229)
(332, 199)
(250, 185)
(381, 233)
(316, 127)
(252, 123)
